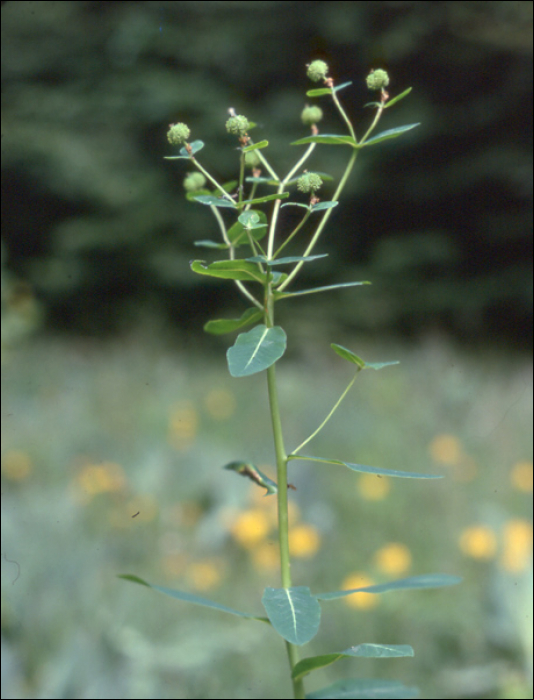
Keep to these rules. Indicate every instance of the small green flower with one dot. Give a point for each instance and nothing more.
(317, 70)
(178, 133)
(377, 79)
(252, 160)
(309, 182)
(311, 115)
(194, 182)
(238, 125)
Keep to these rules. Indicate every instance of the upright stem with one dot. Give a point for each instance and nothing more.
(281, 469)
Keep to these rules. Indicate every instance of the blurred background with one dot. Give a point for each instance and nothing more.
(114, 402)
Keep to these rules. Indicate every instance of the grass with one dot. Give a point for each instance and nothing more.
(96, 432)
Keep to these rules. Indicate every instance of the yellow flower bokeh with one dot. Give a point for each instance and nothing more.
(478, 542)
(446, 449)
(204, 575)
(106, 477)
(304, 541)
(394, 558)
(250, 527)
(517, 545)
(372, 487)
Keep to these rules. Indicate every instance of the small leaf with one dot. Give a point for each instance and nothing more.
(263, 181)
(260, 144)
(379, 471)
(295, 204)
(318, 92)
(256, 350)
(332, 139)
(190, 598)
(424, 581)
(389, 134)
(195, 148)
(229, 186)
(352, 357)
(285, 261)
(351, 689)
(283, 295)
(229, 270)
(342, 86)
(211, 244)
(312, 663)
(267, 198)
(213, 201)
(250, 219)
(227, 325)
(253, 473)
(323, 205)
(348, 355)
(238, 235)
(293, 612)
(393, 100)
(191, 196)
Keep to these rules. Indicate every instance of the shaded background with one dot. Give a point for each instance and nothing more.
(113, 401)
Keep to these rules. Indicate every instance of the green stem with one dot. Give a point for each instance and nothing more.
(281, 469)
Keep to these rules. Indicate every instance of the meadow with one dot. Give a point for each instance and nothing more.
(111, 464)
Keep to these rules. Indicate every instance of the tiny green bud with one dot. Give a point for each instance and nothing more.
(311, 115)
(309, 182)
(178, 133)
(317, 70)
(237, 125)
(252, 159)
(194, 182)
(377, 79)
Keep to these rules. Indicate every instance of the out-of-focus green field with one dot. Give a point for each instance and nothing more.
(95, 432)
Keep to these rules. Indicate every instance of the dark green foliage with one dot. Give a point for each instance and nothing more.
(90, 212)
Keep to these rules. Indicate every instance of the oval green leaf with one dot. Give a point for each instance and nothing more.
(324, 205)
(347, 354)
(256, 350)
(285, 261)
(190, 598)
(350, 689)
(424, 581)
(213, 201)
(376, 651)
(293, 612)
(195, 146)
(229, 270)
(318, 92)
(255, 146)
(331, 139)
(227, 325)
(237, 235)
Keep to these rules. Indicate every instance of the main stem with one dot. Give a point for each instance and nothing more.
(281, 469)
